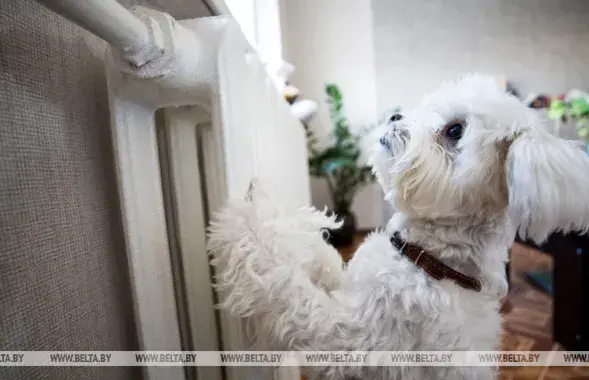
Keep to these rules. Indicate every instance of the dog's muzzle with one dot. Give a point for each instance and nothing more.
(396, 136)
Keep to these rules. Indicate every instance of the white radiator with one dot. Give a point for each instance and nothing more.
(194, 118)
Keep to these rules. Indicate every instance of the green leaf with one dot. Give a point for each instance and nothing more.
(557, 109)
(557, 103)
(583, 132)
(333, 92)
(583, 128)
(339, 163)
(579, 108)
(556, 113)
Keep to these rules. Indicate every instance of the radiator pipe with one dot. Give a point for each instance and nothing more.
(136, 42)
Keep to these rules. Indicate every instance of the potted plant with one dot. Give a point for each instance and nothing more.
(572, 108)
(339, 163)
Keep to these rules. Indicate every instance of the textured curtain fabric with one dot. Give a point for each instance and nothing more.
(63, 270)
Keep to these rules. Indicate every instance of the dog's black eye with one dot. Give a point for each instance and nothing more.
(395, 117)
(454, 130)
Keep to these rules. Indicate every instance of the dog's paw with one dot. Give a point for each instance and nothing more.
(311, 219)
(246, 213)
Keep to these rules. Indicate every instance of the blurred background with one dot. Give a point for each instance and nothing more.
(341, 67)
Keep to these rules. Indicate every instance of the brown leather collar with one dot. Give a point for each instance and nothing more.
(432, 266)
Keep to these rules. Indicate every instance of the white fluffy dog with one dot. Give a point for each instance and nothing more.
(463, 170)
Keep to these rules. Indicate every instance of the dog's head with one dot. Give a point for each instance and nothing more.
(470, 148)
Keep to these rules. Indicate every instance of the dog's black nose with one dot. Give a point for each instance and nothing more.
(395, 117)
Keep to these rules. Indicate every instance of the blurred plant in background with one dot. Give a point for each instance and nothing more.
(340, 162)
(572, 107)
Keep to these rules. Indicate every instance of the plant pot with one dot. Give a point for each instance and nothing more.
(343, 236)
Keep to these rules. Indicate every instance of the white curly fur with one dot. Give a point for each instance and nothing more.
(461, 201)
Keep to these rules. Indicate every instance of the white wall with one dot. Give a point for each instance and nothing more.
(539, 45)
(332, 41)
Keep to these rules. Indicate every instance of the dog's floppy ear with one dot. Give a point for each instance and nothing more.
(548, 181)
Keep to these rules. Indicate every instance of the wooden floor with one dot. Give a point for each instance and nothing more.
(527, 323)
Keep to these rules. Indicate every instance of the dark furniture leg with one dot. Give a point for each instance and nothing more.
(569, 289)
(508, 270)
(585, 302)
